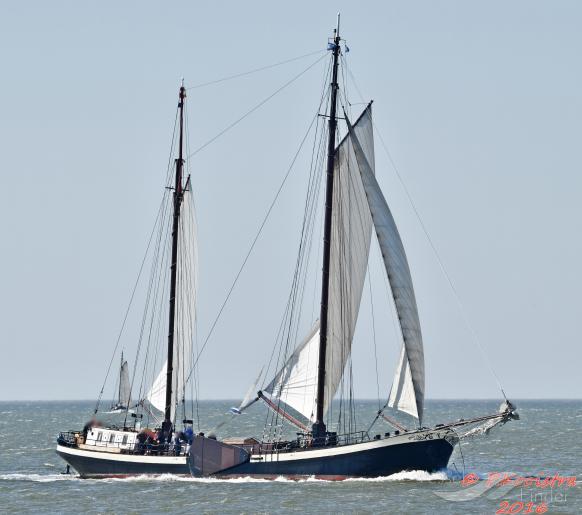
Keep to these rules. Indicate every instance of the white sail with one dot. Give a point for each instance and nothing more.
(351, 232)
(296, 383)
(350, 246)
(185, 316)
(251, 395)
(157, 393)
(186, 297)
(124, 387)
(402, 396)
(397, 269)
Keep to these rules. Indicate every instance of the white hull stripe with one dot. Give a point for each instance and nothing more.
(126, 458)
(404, 439)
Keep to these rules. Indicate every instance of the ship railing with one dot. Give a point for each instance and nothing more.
(351, 438)
(305, 441)
(161, 449)
(67, 438)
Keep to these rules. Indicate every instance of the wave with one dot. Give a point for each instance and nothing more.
(410, 475)
(413, 475)
(39, 478)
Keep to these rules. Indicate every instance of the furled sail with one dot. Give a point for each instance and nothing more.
(124, 387)
(185, 316)
(296, 382)
(399, 276)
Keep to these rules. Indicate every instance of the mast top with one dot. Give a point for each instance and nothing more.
(182, 94)
(336, 31)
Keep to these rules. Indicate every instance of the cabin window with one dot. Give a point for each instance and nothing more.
(99, 436)
(124, 440)
(111, 437)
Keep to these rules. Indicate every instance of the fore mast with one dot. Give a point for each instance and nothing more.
(178, 196)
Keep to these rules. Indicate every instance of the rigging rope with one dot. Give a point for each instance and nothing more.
(157, 219)
(442, 266)
(252, 246)
(128, 309)
(473, 332)
(253, 109)
(254, 70)
(226, 129)
(290, 323)
(374, 336)
(292, 317)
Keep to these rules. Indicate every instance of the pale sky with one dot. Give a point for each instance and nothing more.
(480, 104)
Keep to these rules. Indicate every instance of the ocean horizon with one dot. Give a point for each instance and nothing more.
(543, 443)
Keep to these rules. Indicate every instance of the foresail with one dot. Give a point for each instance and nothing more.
(397, 269)
(157, 393)
(251, 395)
(296, 383)
(402, 395)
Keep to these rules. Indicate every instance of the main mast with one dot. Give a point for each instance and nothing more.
(319, 429)
(178, 194)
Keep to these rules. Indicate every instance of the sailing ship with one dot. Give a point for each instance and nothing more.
(123, 390)
(127, 447)
(302, 391)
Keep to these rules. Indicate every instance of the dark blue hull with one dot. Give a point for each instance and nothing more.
(429, 456)
(102, 467)
(369, 459)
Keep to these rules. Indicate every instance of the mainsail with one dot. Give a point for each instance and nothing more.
(296, 383)
(412, 357)
(185, 314)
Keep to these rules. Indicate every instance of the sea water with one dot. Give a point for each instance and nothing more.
(546, 443)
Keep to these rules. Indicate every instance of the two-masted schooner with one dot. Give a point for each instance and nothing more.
(302, 390)
(128, 446)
